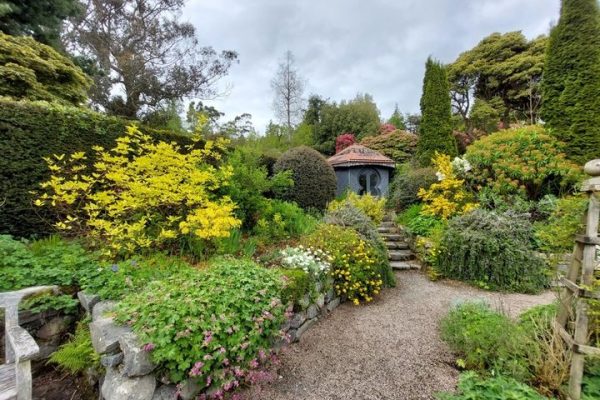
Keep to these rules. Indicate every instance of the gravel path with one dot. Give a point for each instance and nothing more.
(390, 349)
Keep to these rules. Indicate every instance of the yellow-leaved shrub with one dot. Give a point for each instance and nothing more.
(448, 196)
(142, 194)
(372, 206)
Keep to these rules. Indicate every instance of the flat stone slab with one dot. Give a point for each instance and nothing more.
(305, 326)
(88, 301)
(165, 392)
(392, 236)
(401, 255)
(102, 308)
(333, 304)
(397, 245)
(403, 265)
(120, 387)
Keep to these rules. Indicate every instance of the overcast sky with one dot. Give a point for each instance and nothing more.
(347, 46)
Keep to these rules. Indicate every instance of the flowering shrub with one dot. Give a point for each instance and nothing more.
(344, 140)
(372, 206)
(522, 161)
(141, 194)
(215, 326)
(448, 196)
(314, 262)
(354, 262)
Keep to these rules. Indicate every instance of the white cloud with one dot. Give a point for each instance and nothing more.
(347, 46)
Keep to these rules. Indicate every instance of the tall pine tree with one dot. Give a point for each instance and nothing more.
(435, 130)
(571, 80)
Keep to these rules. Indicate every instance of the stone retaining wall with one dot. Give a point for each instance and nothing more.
(129, 370)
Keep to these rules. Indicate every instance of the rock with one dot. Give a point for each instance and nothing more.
(312, 311)
(46, 350)
(165, 392)
(320, 301)
(329, 295)
(304, 328)
(136, 361)
(333, 304)
(304, 301)
(56, 326)
(100, 310)
(297, 320)
(111, 360)
(88, 300)
(189, 389)
(105, 335)
(319, 286)
(292, 334)
(119, 387)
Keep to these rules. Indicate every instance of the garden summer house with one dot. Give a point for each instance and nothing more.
(362, 170)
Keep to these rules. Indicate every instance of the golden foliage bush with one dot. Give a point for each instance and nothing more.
(448, 196)
(141, 194)
(372, 206)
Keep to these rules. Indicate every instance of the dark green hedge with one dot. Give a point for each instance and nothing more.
(32, 130)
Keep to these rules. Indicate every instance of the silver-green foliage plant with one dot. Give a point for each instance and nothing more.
(493, 251)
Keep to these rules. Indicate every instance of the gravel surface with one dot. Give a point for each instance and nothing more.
(390, 349)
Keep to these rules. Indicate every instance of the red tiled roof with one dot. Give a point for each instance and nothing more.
(359, 155)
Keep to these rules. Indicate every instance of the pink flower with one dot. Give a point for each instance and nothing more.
(238, 372)
(254, 363)
(207, 357)
(245, 345)
(148, 347)
(196, 369)
(262, 355)
(222, 350)
(226, 362)
(207, 338)
(218, 394)
(208, 380)
(229, 330)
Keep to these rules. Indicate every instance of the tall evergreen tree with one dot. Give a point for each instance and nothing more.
(435, 129)
(571, 79)
(397, 119)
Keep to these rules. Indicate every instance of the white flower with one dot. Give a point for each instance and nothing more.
(440, 176)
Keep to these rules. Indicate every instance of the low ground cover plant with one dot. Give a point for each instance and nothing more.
(473, 387)
(215, 326)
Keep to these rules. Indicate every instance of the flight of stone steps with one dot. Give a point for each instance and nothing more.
(401, 257)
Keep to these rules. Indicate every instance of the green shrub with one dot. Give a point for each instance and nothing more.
(472, 387)
(213, 325)
(521, 161)
(282, 220)
(353, 261)
(77, 355)
(297, 283)
(406, 185)
(485, 340)
(32, 70)
(250, 183)
(493, 251)
(557, 233)
(38, 304)
(418, 223)
(30, 131)
(351, 217)
(314, 179)
(398, 145)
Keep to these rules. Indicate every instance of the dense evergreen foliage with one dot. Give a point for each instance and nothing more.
(571, 81)
(314, 179)
(435, 129)
(29, 69)
(32, 130)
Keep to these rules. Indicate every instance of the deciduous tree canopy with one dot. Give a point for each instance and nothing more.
(145, 54)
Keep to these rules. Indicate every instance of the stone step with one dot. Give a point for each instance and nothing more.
(388, 218)
(387, 229)
(401, 255)
(388, 224)
(390, 237)
(403, 265)
(397, 245)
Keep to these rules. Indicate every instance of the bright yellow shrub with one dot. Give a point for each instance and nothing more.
(371, 205)
(141, 194)
(448, 196)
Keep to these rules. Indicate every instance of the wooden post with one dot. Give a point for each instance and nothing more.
(586, 249)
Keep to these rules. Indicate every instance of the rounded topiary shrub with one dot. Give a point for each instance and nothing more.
(493, 251)
(407, 183)
(314, 179)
